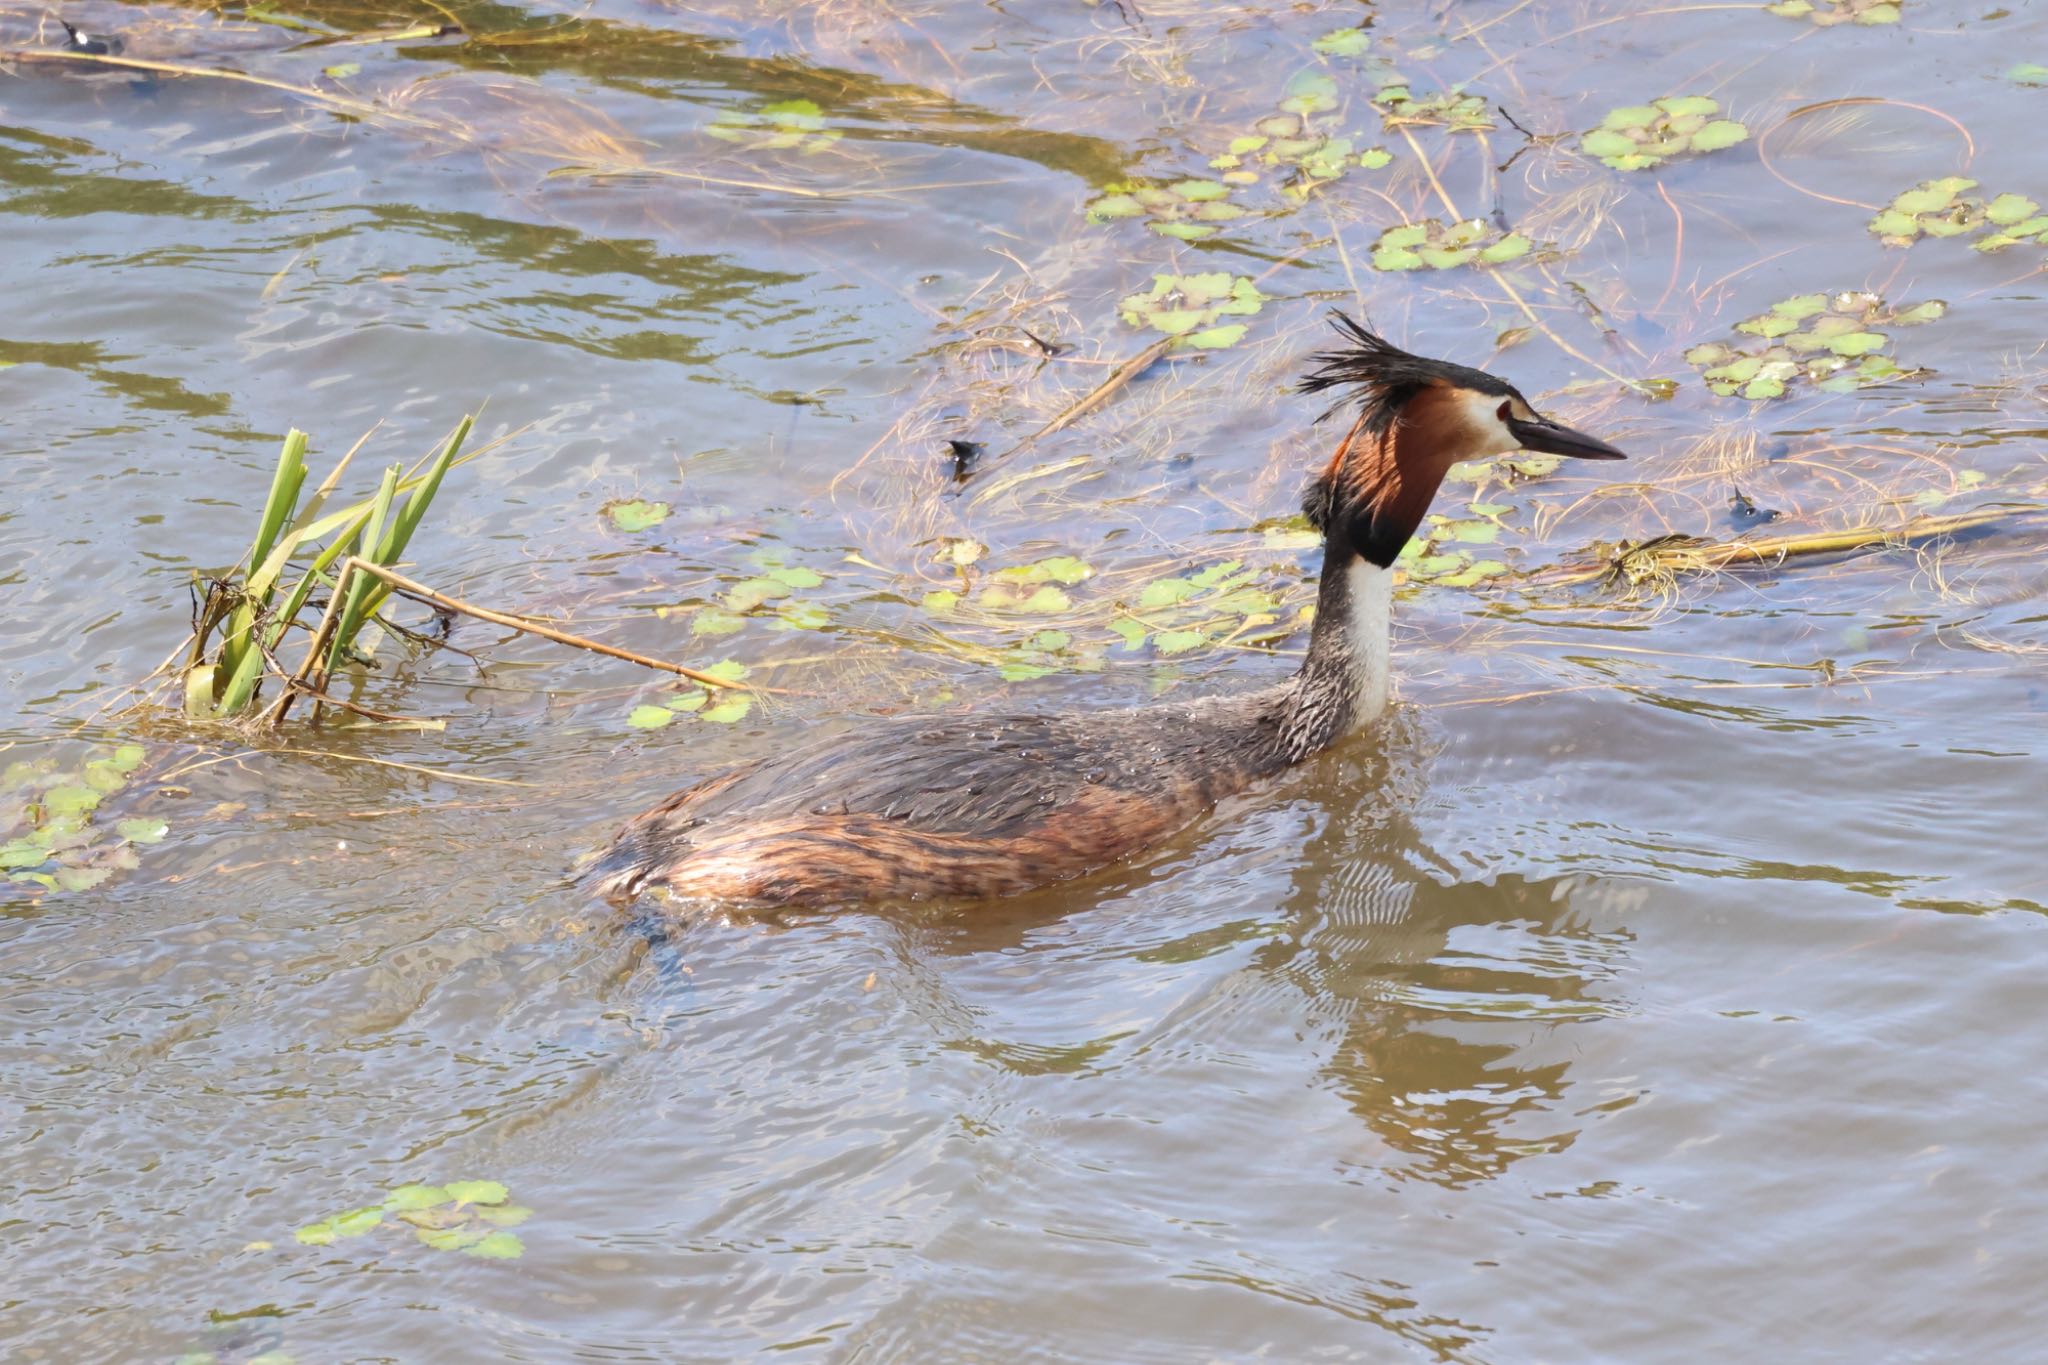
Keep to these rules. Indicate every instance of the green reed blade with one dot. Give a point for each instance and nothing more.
(374, 534)
(408, 519)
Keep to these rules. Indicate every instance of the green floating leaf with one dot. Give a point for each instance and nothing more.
(505, 1215)
(2008, 209)
(127, 758)
(1630, 116)
(2028, 73)
(70, 800)
(729, 711)
(476, 1191)
(1412, 246)
(1166, 592)
(1719, 134)
(450, 1239)
(940, 601)
(23, 853)
(649, 717)
(353, 1223)
(1639, 136)
(406, 1198)
(1310, 92)
(342, 70)
(1857, 343)
(1132, 633)
(715, 621)
(497, 1246)
(1929, 311)
(636, 514)
(142, 830)
(1171, 642)
(1800, 306)
(1215, 338)
(1343, 42)
(688, 701)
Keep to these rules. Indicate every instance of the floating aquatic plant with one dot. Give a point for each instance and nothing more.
(2013, 219)
(1343, 42)
(1510, 469)
(635, 514)
(1310, 92)
(470, 1216)
(1046, 652)
(2028, 73)
(1449, 109)
(771, 592)
(1180, 613)
(685, 701)
(1034, 589)
(787, 125)
(1828, 13)
(1293, 142)
(1639, 136)
(49, 838)
(1940, 208)
(1187, 307)
(1187, 209)
(1437, 554)
(1832, 343)
(1434, 246)
(1932, 208)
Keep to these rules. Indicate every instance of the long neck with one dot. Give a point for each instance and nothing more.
(1343, 683)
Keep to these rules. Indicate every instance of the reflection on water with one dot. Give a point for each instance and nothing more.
(1596, 991)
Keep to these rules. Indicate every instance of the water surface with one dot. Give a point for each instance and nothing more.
(1660, 982)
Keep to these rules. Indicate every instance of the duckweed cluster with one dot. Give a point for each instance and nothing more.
(1435, 245)
(53, 836)
(1830, 342)
(1637, 137)
(1189, 307)
(1828, 13)
(784, 126)
(1943, 208)
(473, 1217)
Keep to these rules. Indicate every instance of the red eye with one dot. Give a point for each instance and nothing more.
(1502, 414)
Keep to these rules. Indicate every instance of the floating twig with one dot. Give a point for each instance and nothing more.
(1118, 379)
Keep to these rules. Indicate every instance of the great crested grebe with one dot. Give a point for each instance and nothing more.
(987, 805)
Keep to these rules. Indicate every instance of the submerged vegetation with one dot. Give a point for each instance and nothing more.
(56, 833)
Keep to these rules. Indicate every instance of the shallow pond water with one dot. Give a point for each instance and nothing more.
(1660, 982)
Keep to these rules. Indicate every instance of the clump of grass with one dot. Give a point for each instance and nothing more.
(244, 616)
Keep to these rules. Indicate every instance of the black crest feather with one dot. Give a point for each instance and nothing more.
(1382, 376)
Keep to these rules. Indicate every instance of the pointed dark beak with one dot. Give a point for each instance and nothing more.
(1553, 438)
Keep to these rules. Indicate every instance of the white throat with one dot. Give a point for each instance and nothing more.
(1371, 599)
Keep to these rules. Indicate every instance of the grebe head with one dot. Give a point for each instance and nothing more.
(1417, 417)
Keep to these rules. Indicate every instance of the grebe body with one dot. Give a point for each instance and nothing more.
(978, 806)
